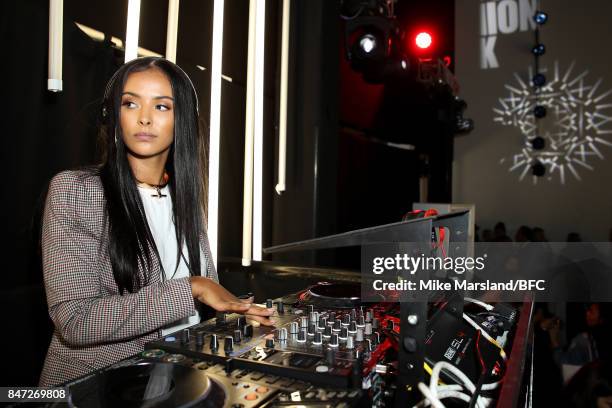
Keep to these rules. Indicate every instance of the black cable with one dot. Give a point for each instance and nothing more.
(483, 373)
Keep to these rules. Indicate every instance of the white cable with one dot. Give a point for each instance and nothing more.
(479, 303)
(427, 393)
(444, 394)
(466, 382)
(435, 374)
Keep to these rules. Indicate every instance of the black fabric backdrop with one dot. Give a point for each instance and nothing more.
(46, 133)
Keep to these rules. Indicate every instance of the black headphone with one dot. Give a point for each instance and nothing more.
(114, 78)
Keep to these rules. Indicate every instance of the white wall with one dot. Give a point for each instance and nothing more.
(578, 32)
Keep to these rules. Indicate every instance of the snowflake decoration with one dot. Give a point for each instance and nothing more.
(575, 128)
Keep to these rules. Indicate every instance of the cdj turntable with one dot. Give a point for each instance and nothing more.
(327, 349)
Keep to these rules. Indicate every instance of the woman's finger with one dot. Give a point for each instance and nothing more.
(259, 311)
(262, 320)
(238, 307)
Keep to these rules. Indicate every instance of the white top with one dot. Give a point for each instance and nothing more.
(161, 223)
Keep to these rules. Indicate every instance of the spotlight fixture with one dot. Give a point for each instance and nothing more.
(372, 39)
(367, 44)
(538, 49)
(538, 169)
(462, 124)
(539, 111)
(540, 17)
(539, 80)
(538, 143)
(423, 40)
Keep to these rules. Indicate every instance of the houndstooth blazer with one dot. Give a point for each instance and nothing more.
(94, 325)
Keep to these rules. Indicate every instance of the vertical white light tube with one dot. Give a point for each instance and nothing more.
(172, 30)
(282, 114)
(258, 125)
(247, 208)
(132, 29)
(215, 128)
(56, 29)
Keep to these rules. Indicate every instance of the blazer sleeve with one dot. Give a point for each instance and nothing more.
(81, 312)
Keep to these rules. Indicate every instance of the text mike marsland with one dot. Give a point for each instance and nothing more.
(512, 285)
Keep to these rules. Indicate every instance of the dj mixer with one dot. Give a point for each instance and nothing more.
(326, 349)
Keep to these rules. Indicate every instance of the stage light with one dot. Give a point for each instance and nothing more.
(56, 30)
(538, 49)
(367, 43)
(172, 30)
(538, 169)
(539, 111)
(540, 17)
(131, 31)
(539, 79)
(423, 40)
(538, 143)
(404, 64)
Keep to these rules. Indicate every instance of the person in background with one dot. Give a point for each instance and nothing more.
(499, 233)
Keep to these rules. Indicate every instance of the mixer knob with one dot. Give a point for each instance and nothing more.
(334, 340)
(220, 319)
(282, 335)
(353, 327)
(359, 335)
(349, 343)
(368, 316)
(314, 317)
(343, 333)
(228, 344)
(330, 356)
(375, 323)
(199, 339)
(240, 322)
(185, 336)
(318, 338)
(368, 329)
(311, 329)
(294, 328)
(248, 331)
(214, 342)
(328, 332)
(322, 323)
(310, 309)
(376, 338)
(237, 336)
(353, 314)
(269, 304)
(269, 343)
(302, 336)
(280, 307)
(360, 321)
(332, 316)
(346, 320)
(303, 322)
(337, 325)
(369, 345)
(390, 325)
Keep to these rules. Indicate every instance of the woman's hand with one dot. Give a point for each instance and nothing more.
(216, 296)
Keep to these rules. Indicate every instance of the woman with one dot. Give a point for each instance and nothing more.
(114, 275)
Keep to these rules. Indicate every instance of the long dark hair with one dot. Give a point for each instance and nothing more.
(130, 240)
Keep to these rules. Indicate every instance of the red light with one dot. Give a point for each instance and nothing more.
(423, 40)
